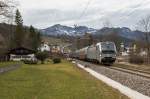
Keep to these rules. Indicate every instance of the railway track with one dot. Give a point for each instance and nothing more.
(131, 71)
(140, 73)
(134, 79)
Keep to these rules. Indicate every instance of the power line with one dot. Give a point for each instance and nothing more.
(84, 10)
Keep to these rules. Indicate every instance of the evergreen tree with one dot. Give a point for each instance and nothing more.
(18, 18)
(35, 38)
(19, 34)
(39, 39)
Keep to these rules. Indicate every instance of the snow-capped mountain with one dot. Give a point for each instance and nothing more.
(65, 30)
(123, 32)
(81, 30)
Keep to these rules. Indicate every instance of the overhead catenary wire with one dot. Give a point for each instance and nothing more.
(84, 11)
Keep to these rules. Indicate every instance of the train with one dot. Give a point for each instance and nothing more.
(102, 52)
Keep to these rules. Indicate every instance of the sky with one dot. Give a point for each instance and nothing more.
(118, 13)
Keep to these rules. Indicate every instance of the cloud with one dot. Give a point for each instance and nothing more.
(122, 13)
(46, 17)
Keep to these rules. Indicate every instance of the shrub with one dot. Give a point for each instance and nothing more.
(135, 59)
(30, 61)
(56, 60)
(42, 56)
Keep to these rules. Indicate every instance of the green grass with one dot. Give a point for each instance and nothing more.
(4, 64)
(54, 81)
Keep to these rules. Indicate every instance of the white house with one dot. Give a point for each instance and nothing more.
(21, 53)
(14, 57)
(44, 47)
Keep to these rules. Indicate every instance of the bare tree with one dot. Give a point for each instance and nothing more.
(144, 26)
(7, 8)
(7, 15)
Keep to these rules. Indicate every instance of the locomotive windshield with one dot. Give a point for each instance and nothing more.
(108, 48)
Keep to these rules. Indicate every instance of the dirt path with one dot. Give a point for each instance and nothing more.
(9, 68)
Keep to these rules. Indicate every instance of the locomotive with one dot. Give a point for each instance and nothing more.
(103, 52)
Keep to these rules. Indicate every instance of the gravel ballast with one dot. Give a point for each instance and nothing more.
(132, 81)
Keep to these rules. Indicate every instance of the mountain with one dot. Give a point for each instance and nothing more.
(123, 32)
(65, 30)
(57, 30)
(81, 30)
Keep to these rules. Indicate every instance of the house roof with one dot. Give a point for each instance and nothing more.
(21, 51)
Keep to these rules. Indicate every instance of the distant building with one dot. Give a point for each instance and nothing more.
(44, 47)
(55, 49)
(21, 53)
(143, 52)
(50, 48)
(132, 50)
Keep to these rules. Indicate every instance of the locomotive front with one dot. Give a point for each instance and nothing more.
(108, 52)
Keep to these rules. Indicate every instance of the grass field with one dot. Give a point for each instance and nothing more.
(4, 64)
(49, 81)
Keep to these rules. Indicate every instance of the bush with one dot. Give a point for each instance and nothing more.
(56, 60)
(135, 59)
(30, 61)
(42, 56)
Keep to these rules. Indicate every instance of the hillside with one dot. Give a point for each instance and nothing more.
(5, 32)
(58, 29)
(66, 30)
(64, 35)
(122, 32)
(54, 40)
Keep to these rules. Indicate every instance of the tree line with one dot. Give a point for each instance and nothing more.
(24, 36)
(16, 34)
